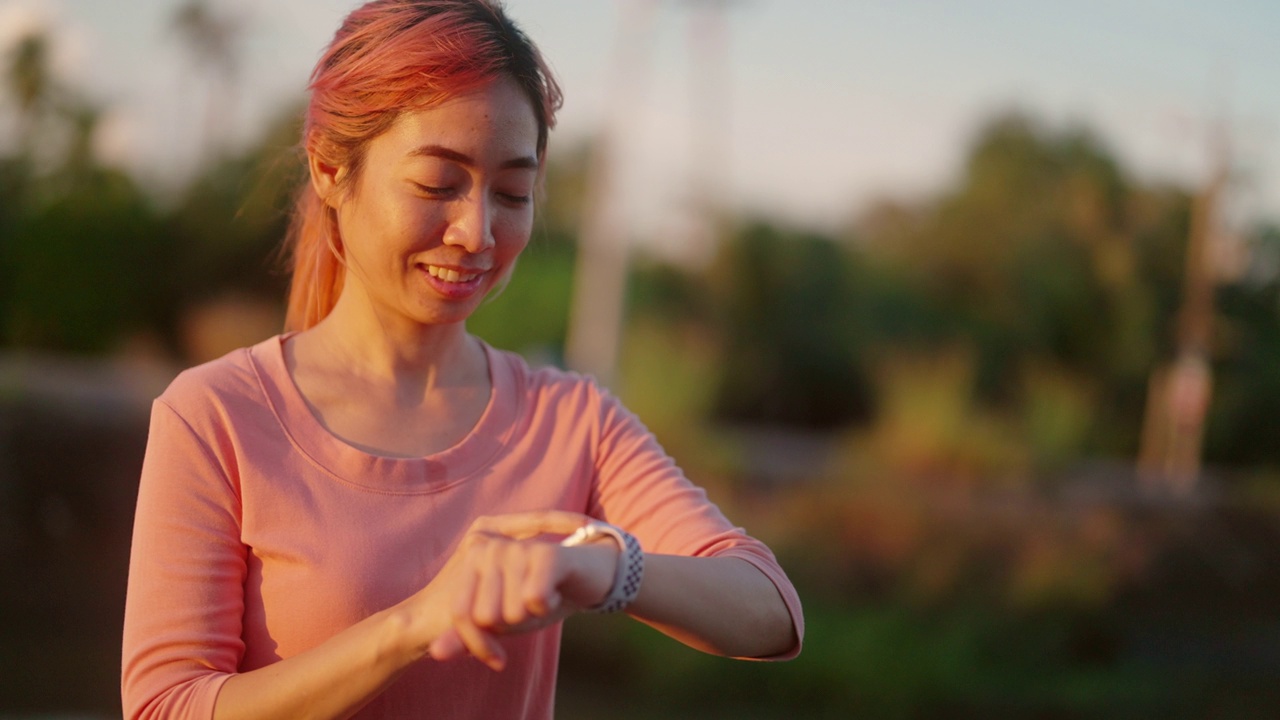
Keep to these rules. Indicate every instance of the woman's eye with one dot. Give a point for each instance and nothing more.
(516, 198)
(433, 191)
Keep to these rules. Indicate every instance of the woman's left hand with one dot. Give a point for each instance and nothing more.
(506, 577)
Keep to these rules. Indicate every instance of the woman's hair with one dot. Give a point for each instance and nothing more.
(391, 57)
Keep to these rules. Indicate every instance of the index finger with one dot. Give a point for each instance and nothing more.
(526, 525)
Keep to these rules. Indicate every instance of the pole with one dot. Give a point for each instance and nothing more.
(600, 277)
(1180, 393)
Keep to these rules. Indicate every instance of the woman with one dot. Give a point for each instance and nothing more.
(337, 520)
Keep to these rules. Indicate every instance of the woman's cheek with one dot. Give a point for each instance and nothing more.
(513, 236)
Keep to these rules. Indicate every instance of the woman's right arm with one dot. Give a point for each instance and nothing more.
(183, 614)
(185, 600)
(499, 580)
(182, 639)
(332, 680)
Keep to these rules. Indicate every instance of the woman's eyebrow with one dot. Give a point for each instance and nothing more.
(526, 162)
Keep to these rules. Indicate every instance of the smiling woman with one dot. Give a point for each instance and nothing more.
(441, 209)
(340, 520)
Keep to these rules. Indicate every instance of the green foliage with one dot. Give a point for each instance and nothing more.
(790, 355)
(93, 260)
(228, 225)
(88, 260)
(888, 662)
(1046, 259)
(79, 266)
(1244, 419)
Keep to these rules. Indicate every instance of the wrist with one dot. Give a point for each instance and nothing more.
(594, 565)
(407, 630)
(629, 570)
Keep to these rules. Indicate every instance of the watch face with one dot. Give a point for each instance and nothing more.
(591, 531)
(581, 535)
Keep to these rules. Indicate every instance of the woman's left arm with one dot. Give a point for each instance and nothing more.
(720, 605)
(706, 582)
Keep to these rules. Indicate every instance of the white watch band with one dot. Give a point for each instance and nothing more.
(626, 580)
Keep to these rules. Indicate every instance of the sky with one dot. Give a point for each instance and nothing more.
(821, 107)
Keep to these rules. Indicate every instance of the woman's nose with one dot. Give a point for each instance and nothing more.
(471, 226)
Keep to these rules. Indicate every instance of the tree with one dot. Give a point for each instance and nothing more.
(788, 327)
(211, 39)
(1046, 253)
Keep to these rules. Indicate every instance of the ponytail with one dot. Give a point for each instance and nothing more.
(317, 267)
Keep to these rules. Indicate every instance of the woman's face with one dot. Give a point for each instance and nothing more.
(443, 205)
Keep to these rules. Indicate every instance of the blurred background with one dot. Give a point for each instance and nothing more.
(969, 310)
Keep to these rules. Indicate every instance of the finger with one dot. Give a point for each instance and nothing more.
(485, 608)
(539, 592)
(482, 645)
(514, 567)
(531, 524)
(448, 646)
(463, 635)
(451, 645)
(464, 595)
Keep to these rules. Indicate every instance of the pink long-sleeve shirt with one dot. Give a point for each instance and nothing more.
(259, 534)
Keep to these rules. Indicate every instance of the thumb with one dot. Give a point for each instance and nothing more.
(448, 646)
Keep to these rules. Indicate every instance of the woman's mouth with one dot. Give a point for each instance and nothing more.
(450, 275)
(453, 283)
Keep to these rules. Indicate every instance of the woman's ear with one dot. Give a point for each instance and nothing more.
(325, 179)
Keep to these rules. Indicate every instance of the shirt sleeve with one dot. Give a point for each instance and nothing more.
(182, 625)
(641, 489)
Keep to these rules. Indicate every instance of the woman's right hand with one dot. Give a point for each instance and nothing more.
(506, 577)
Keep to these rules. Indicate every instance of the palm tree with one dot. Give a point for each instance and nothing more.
(211, 40)
(31, 83)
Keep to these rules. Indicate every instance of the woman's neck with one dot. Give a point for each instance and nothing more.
(413, 357)
(389, 389)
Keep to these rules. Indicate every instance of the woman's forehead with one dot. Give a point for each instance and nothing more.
(492, 124)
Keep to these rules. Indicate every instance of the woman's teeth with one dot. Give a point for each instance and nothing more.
(450, 275)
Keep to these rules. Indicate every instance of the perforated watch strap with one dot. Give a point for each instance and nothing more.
(630, 572)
